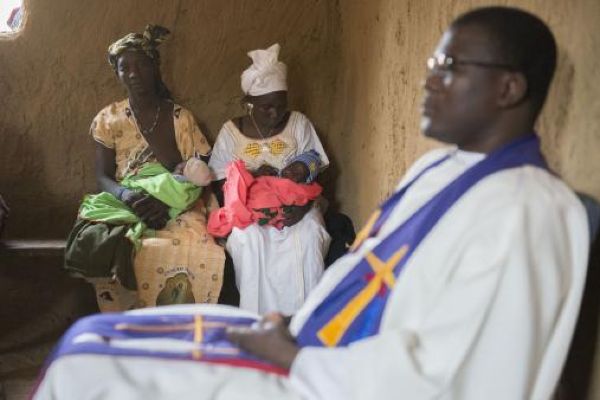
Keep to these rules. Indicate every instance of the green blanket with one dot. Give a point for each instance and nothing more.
(153, 179)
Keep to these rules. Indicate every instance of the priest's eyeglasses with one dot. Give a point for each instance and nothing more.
(446, 63)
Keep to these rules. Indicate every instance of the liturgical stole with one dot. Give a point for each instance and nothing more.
(353, 310)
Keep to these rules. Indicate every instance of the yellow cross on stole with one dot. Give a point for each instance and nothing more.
(334, 330)
(363, 234)
(197, 327)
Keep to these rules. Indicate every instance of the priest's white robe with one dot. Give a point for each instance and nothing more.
(484, 309)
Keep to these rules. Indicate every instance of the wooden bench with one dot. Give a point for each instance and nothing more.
(28, 253)
(33, 248)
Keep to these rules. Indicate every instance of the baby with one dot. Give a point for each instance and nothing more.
(303, 168)
(267, 200)
(194, 171)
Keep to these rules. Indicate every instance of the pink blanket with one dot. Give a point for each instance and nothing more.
(249, 200)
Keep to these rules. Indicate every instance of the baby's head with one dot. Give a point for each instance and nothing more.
(193, 170)
(296, 171)
(303, 168)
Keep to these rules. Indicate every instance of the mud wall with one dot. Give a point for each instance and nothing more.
(54, 78)
(355, 69)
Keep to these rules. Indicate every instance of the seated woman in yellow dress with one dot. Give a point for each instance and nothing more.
(175, 260)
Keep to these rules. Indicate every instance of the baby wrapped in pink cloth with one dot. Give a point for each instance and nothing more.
(261, 200)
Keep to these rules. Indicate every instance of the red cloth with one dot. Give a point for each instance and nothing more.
(249, 200)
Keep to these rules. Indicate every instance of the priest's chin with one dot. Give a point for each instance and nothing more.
(427, 128)
(431, 131)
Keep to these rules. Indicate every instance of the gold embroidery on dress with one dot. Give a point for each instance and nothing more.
(277, 147)
(252, 150)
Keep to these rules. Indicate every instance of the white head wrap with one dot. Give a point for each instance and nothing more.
(266, 74)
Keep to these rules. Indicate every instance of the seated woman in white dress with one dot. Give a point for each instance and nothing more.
(275, 269)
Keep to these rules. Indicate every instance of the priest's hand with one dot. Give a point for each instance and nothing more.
(269, 339)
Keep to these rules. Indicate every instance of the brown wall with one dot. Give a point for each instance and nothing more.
(384, 44)
(54, 78)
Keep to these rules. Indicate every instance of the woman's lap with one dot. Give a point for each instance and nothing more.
(179, 264)
(275, 269)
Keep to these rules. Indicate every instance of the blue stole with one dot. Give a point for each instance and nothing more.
(353, 310)
(205, 335)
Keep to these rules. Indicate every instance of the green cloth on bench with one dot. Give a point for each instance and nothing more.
(98, 250)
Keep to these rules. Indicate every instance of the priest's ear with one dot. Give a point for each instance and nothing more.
(513, 89)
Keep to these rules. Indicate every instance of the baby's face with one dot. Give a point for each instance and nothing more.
(296, 171)
(179, 168)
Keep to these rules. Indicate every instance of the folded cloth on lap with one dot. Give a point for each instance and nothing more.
(261, 200)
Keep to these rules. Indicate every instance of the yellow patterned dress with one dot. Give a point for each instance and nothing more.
(180, 263)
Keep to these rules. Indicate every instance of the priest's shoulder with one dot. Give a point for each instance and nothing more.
(530, 185)
(422, 162)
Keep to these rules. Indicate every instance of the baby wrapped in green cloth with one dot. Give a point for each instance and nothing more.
(178, 191)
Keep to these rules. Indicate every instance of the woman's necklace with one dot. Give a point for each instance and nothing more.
(138, 124)
(265, 147)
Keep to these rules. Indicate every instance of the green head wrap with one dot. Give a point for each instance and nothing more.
(147, 42)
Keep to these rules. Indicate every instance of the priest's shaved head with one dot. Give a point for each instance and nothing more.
(522, 40)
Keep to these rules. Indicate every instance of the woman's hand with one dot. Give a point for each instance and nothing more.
(151, 211)
(293, 214)
(130, 196)
(270, 340)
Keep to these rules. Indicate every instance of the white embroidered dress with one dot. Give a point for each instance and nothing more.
(275, 269)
